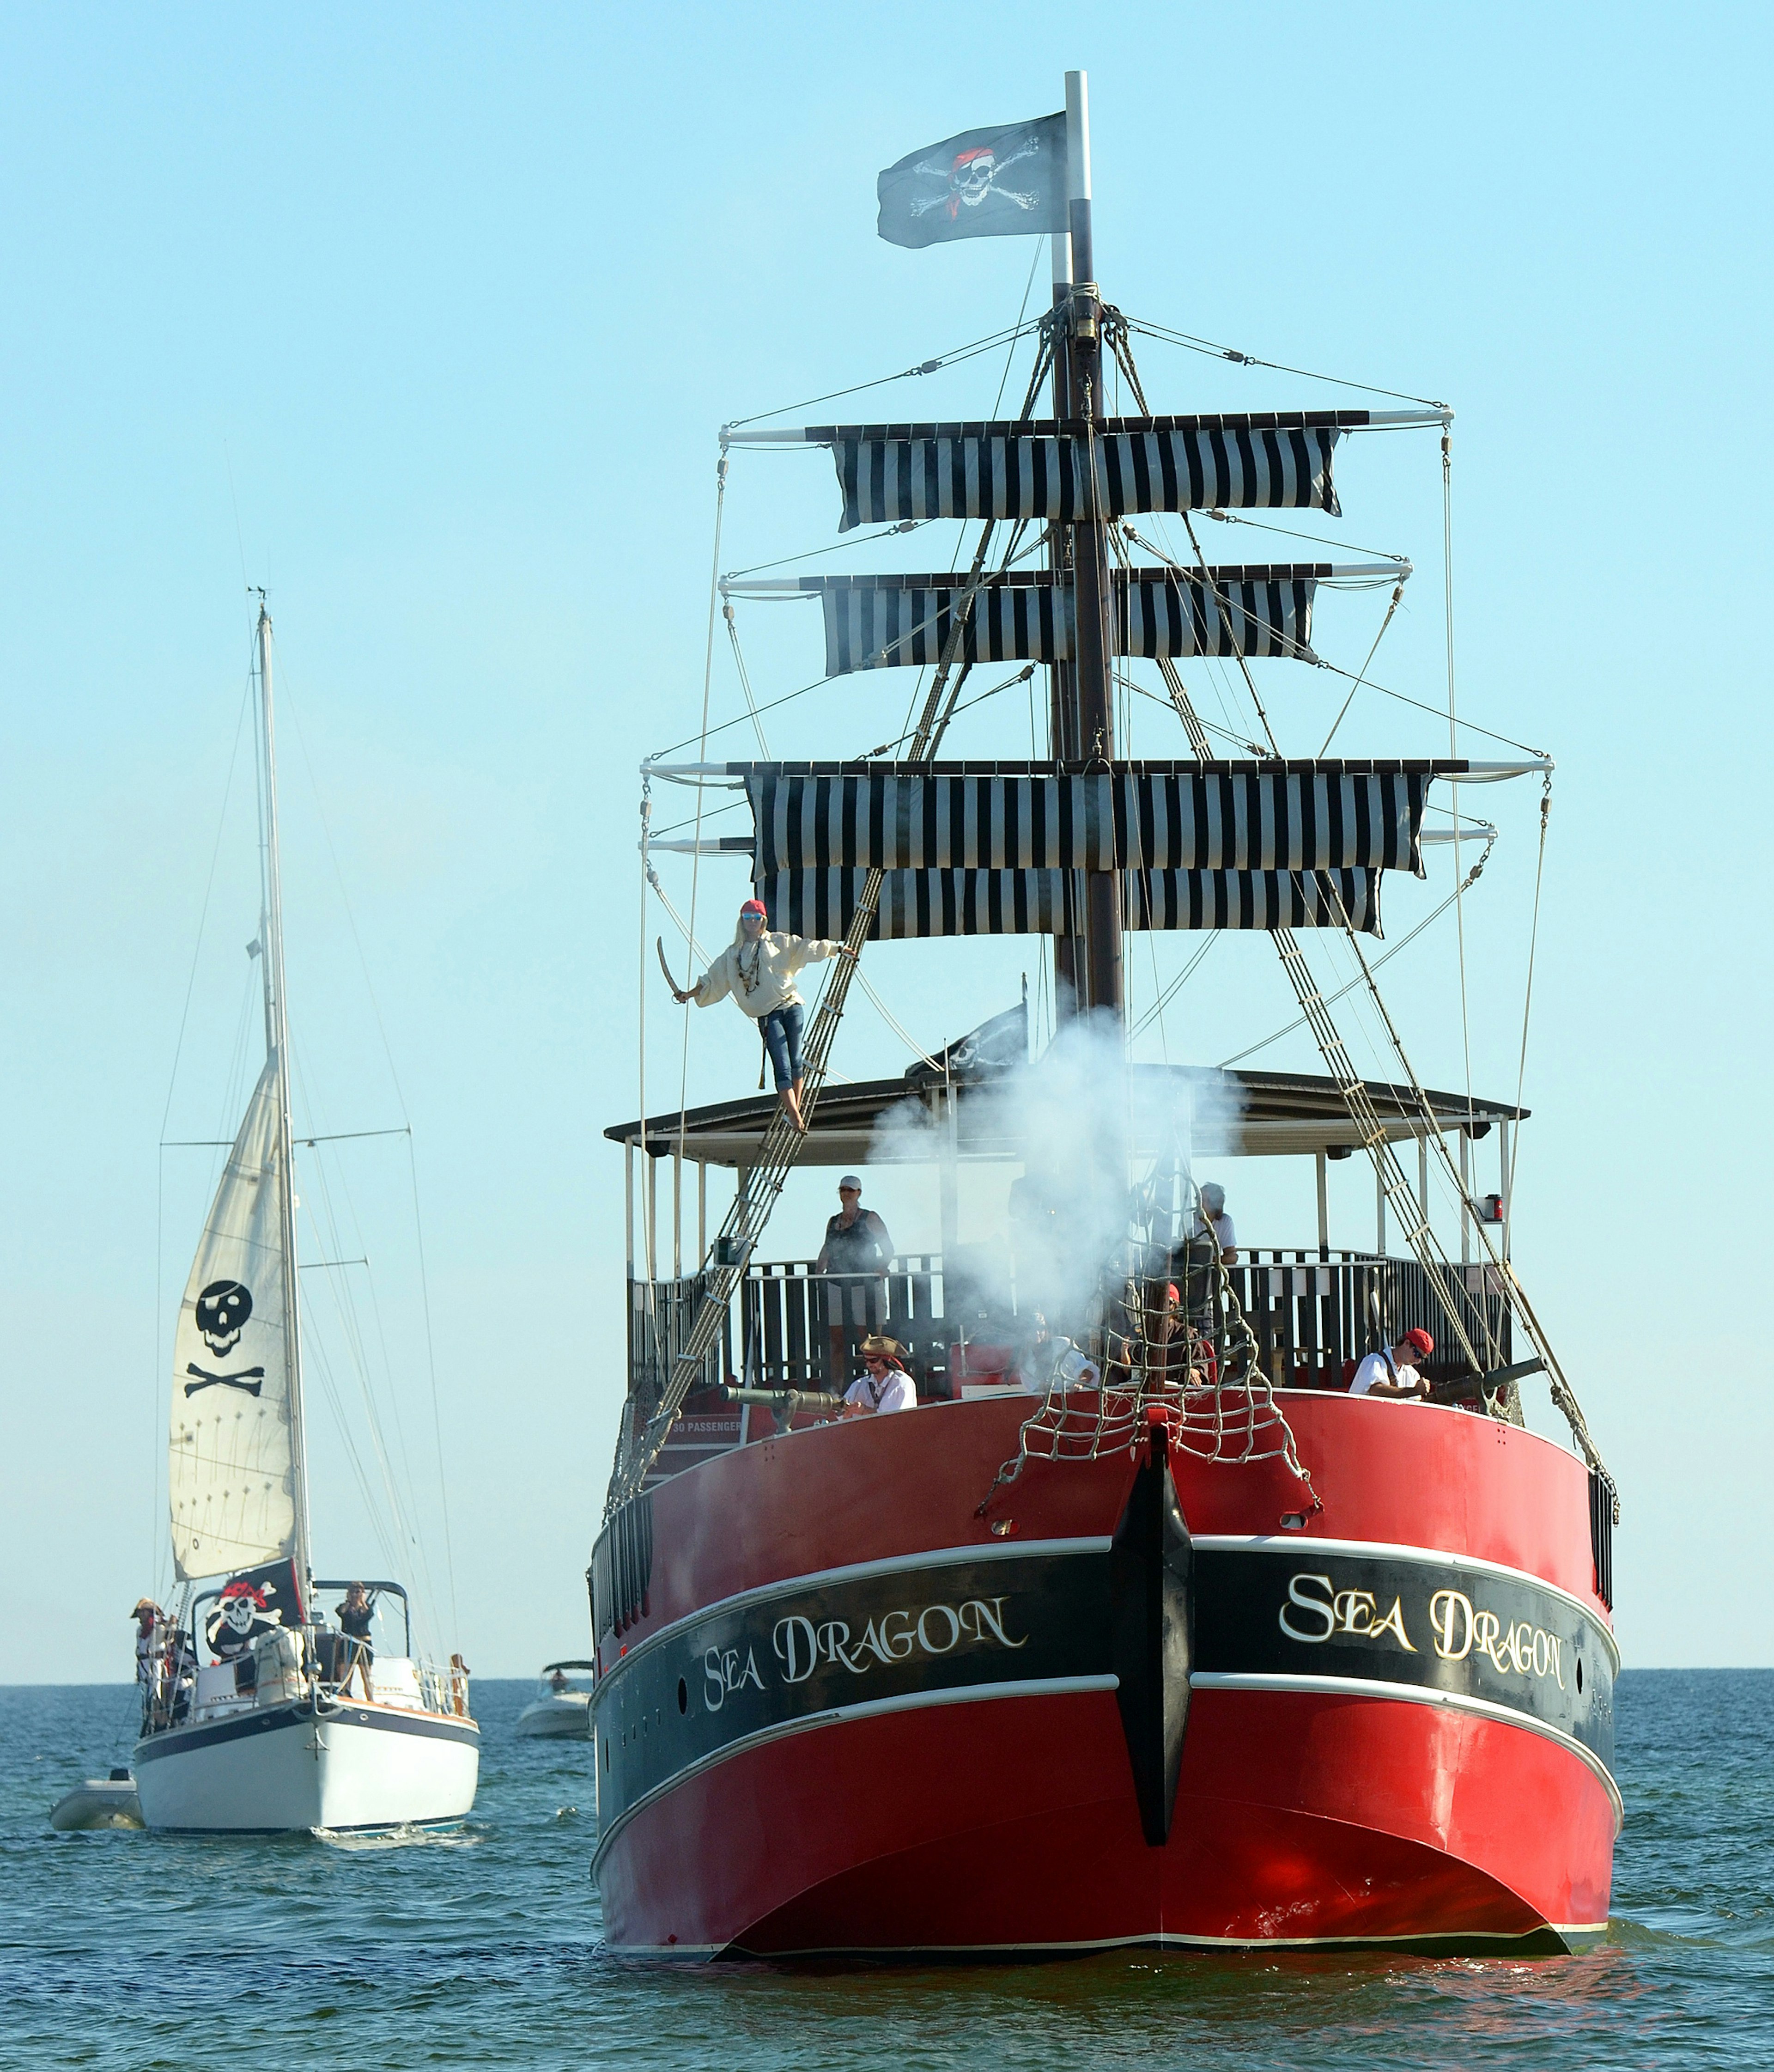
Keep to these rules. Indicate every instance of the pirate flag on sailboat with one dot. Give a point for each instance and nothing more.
(252, 1604)
(1003, 183)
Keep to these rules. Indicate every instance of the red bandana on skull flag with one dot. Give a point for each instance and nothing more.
(1005, 182)
(251, 1604)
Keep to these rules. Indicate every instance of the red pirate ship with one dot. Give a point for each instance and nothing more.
(1144, 1627)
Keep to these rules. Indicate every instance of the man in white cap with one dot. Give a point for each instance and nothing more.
(856, 1256)
(1212, 1216)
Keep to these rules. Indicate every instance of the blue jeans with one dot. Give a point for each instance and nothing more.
(782, 1033)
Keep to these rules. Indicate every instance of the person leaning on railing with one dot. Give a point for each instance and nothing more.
(1393, 1374)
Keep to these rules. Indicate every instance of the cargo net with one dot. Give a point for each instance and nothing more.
(1185, 1357)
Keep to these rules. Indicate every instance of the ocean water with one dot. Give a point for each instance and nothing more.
(124, 1949)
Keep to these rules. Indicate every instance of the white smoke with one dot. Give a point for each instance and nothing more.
(1108, 1152)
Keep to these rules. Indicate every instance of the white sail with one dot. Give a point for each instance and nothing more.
(230, 1472)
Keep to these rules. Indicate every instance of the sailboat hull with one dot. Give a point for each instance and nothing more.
(847, 1712)
(280, 1769)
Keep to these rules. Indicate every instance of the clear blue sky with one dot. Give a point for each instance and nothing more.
(427, 317)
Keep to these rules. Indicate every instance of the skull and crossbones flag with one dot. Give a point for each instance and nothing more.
(1003, 183)
(251, 1604)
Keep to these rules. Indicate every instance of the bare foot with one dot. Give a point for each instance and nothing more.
(791, 1100)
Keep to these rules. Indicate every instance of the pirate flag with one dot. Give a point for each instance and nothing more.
(252, 1603)
(997, 1046)
(1005, 183)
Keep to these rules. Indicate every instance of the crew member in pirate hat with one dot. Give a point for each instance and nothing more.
(147, 1617)
(758, 969)
(886, 1385)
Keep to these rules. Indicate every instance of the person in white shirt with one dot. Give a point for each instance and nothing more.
(1211, 1216)
(885, 1386)
(757, 968)
(1394, 1373)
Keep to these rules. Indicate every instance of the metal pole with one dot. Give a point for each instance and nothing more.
(1062, 678)
(1092, 619)
(1506, 1179)
(1324, 1205)
(677, 1213)
(949, 1178)
(1422, 1174)
(1465, 1198)
(628, 1204)
(1379, 1215)
(702, 1211)
(277, 1037)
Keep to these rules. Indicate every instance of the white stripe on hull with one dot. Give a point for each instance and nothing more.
(348, 1771)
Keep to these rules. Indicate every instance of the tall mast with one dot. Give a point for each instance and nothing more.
(1099, 976)
(1062, 676)
(277, 1044)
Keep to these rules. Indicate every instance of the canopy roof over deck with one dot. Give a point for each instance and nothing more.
(1234, 1114)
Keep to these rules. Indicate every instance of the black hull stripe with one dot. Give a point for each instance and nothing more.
(184, 1740)
(1408, 1694)
(1385, 1550)
(869, 1708)
(853, 1572)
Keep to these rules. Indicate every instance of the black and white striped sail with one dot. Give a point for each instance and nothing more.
(882, 622)
(1184, 816)
(919, 903)
(1045, 471)
(1001, 848)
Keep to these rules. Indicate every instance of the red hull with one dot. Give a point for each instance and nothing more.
(1308, 1808)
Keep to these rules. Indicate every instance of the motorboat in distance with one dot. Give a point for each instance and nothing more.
(561, 1707)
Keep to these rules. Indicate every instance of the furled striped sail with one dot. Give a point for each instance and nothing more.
(1269, 460)
(1001, 848)
(915, 903)
(1328, 815)
(230, 1465)
(880, 621)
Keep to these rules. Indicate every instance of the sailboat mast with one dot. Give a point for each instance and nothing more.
(1099, 976)
(276, 1040)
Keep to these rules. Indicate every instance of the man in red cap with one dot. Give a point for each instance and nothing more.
(1394, 1373)
(757, 969)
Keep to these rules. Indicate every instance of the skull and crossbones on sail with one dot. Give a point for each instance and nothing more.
(222, 1311)
(972, 174)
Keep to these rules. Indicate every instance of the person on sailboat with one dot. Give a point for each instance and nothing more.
(150, 1646)
(757, 968)
(354, 1617)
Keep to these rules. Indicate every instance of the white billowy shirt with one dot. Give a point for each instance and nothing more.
(1377, 1367)
(759, 974)
(895, 1391)
(1222, 1228)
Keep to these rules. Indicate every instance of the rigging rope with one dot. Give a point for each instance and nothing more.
(1527, 996)
(1166, 336)
(954, 358)
(1404, 942)
(1398, 596)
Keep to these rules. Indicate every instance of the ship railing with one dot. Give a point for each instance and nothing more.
(1312, 1309)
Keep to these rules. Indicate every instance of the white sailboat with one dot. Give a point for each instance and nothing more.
(260, 1718)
